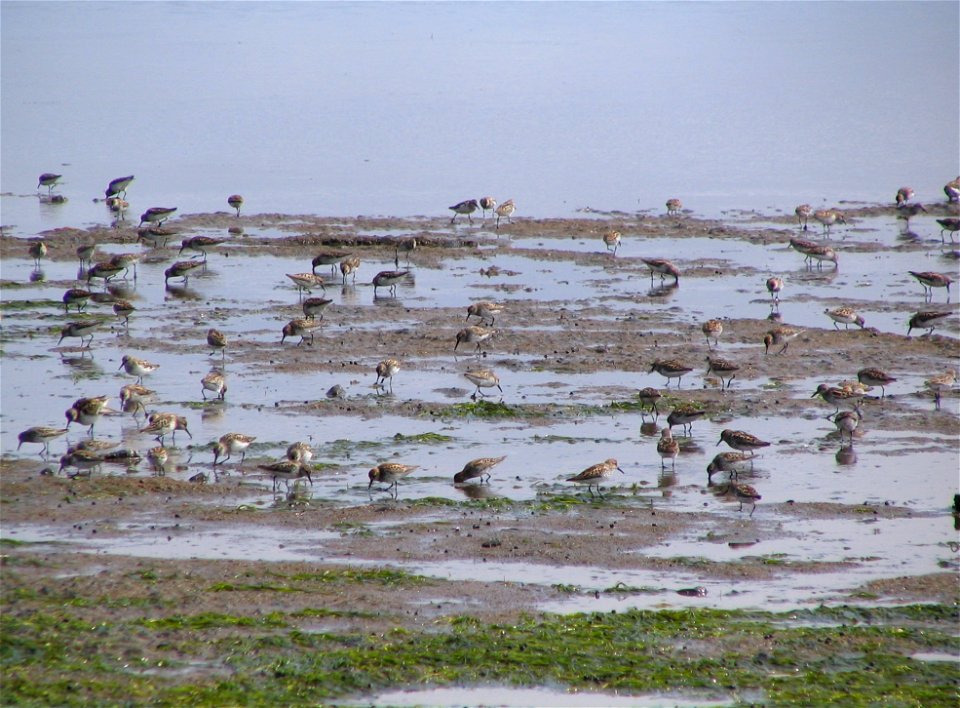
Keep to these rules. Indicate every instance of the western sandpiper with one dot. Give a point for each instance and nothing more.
(952, 190)
(160, 425)
(744, 493)
(123, 309)
(648, 397)
(232, 443)
(217, 340)
(671, 368)
(940, 383)
(930, 280)
(505, 210)
(845, 316)
(487, 204)
(330, 258)
(156, 215)
(482, 378)
(314, 306)
(306, 281)
(465, 207)
(137, 367)
(87, 411)
(611, 239)
(349, 266)
(905, 212)
(216, 382)
(79, 329)
(875, 377)
(950, 225)
(82, 460)
(200, 244)
(125, 261)
(37, 250)
(386, 369)
(302, 328)
(132, 397)
(477, 468)
(778, 336)
(48, 180)
(839, 396)
(300, 452)
(733, 463)
(180, 269)
(235, 201)
(774, 287)
(388, 279)
(118, 186)
(722, 368)
(663, 267)
(85, 253)
(105, 270)
(389, 473)
(829, 217)
(40, 434)
(158, 456)
(803, 213)
(287, 470)
(904, 195)
(595, 474)
(473, 334)
(485, 310)
(741, 441)
(667, 448)
(847, 422)
(926, 320)
(75, 297)
(712, 328)
(674, 206)
(684, 415)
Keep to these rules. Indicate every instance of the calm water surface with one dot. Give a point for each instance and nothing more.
(406, 108)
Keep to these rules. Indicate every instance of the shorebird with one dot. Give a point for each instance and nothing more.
(85, 253)
(299, 452)
(231, 443)
(215, 382)
(671, 368)
(105, 270)
(286, 470)
(48, 180)
(348, 266)
(875, 377)
(77, 297)
(79, 329)
(505, 210)
(908, 211)
(484, 310)
(389, 473)
(306, 281)
(674, 206)
(829, 217)
(465, 207)
(156, 215)
(847, 422)
(712, 328)
(386, 369)
(925, 320)
(722, 368)
(330, 258)
(648, 397)
(40, 434)
(744, 493)
(952, 190)
(125, 261)
(595, 474)
(235, 201)
(611, 239)
(803, 213)
(200, 244)
(180, 269)
(388, 279)
(930, 280)
(730, 462)
(845, 316)
(840, 396)
(118, 187)
(217, 340)
(477, 468)
(775, 287)
(300, 327)
(314, 306)
(37, 250)
(667, 448)
(87, 411)
(904, 195)
(473, 334)
(741, 441)
(487, 204)
(685, 415)
(938, 384)
(778, 336)
(950, 225)
(663, 267)
(137, 367)
(482, 378)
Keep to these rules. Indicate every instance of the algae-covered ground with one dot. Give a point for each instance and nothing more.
(286, 635)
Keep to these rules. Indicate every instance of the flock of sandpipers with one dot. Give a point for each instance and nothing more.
(90, 454)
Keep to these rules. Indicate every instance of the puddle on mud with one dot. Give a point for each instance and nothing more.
(510, 697)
